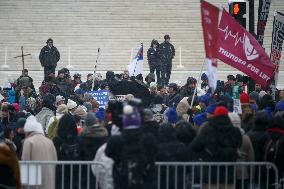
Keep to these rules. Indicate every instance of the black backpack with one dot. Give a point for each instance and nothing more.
(272, 150)
(70, 151)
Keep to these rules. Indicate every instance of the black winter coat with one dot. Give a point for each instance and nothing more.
(217, 142)
(153, 57)
(173, 100)
(166, 51)
(49, 56)
(134, 159)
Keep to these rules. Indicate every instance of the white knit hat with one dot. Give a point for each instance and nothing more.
(32, 125)
(58, 99)
(71, 104)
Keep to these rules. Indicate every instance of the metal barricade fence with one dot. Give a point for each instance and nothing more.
(63, 174)
(217, 175)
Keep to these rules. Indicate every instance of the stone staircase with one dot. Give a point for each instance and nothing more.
(80, 27)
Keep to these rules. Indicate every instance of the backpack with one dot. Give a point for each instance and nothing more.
(70, 151)
(52, 129)
(272, 150)
(134, 169)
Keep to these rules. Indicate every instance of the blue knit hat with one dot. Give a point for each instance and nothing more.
(172, 115)
(211, 108)
(204, 99)
(199, 119)
(100, 114)
(204, 77)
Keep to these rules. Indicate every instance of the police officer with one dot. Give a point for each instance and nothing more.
(153, 60)
(49, 56)
(166, 53)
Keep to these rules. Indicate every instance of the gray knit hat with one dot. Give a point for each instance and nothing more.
(90, 119)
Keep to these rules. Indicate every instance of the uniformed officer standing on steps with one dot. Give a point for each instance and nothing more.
(166, 53)
(49, 56)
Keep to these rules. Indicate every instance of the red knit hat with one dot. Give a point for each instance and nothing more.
(244, 98)
(220, 111)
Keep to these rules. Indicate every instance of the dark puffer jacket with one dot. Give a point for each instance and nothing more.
(49, 56)
(134, 159)
(218, 142)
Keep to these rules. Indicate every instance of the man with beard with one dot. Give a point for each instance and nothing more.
(166, 54)
(49, 56)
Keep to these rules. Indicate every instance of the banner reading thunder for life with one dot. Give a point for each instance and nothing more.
(277, 40)
(238, 48)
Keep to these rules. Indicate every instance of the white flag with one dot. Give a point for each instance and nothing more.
(212, 73)
(136, 66)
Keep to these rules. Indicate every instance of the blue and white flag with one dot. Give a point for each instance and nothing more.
(136, 66)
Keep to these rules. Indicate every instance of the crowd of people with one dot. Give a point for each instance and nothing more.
(64, 122)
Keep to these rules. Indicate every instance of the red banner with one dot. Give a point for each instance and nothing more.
(239, 49)
(209, 18)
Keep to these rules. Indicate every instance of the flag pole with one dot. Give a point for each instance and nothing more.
(198, 81)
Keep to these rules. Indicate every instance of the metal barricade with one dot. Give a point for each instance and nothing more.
(217, 175)
(63, 174)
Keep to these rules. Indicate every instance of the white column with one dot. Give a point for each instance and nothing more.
(5, 66)
(69, 58)
(180, 60)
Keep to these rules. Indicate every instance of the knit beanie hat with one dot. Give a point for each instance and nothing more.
(280, 106)
(71, 104)
(100, 114)
(16, 106)
(90, 119)
(221, 111)
(58, 99)
(211, 108)
(148, 115)
(88, 105)
(131, 117)
(254, 96)
(62, 109)
(172, 116)
(80, 112)
(204, 99)
(244, 98)
(199, 119)
(32, 125)
(21, 122)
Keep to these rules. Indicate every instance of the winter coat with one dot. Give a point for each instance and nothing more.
(39, 148)
(49, 56)
(173, 100)
(150, 127)
(137, 149)
(182, 108)
(166, 51)
(44, 116)
(218, 142)
(258, 138)
(153, 57)
(104, 176)
(19, 140)
(170, 150)
(68, 150)
(9, 166)
(246, 154)
(91, 139)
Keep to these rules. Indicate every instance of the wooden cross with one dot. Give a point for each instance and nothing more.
(23, 55)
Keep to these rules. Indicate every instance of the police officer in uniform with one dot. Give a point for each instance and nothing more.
(154, 61)
(166, 53)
